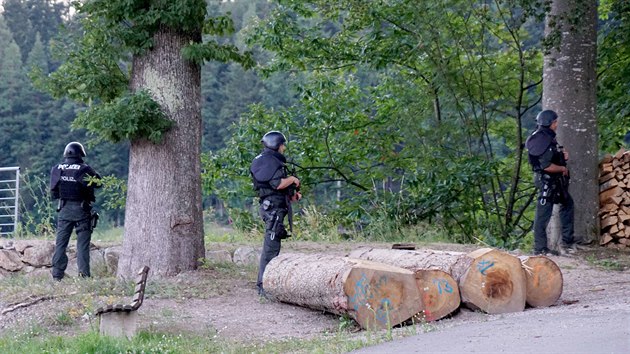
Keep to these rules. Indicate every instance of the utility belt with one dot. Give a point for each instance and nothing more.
(552, 188)
(273, 210)
(86, 205)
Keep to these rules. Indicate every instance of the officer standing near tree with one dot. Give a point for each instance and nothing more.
(69, 184)
(548, 160)
(276, 190)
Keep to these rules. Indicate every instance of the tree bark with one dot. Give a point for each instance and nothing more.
(569, 88)
(488, 280)
(163, 216)
(376, 295)
(544, 281)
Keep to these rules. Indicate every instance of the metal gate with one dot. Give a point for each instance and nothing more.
(9, 198)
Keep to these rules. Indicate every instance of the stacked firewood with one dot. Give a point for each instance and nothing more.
(614, 200)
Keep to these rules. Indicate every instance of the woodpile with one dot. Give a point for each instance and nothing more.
(614, 199)
(381, 288)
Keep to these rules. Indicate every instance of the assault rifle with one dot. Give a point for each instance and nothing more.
(564, 180)
(292, 191)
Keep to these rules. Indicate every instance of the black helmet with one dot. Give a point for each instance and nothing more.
(273, 140)
(74, 149)
(545, 118)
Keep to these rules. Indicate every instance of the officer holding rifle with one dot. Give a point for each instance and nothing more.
(549, 162)
(276, 190)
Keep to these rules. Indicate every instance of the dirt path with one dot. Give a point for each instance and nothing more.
(238, 314)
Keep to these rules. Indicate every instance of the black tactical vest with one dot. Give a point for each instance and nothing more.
(262, 170)
(538, 143)
(67, 181)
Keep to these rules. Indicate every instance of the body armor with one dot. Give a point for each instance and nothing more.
(67, 181)
(264, 167)
(540, 142)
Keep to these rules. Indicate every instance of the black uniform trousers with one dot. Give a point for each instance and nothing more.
(72, 216)
(273, 217)
(544, 209)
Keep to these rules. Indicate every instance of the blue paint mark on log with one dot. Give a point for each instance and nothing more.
(443, 285)
(364, 294)
(484, 265)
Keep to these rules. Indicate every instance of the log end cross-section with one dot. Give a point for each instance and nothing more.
(494, 282)
(381, 296)
(439, 292)
(544, 280)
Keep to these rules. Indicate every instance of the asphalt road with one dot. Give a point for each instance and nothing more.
(592, 331)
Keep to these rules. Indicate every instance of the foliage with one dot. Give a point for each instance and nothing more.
(614, 69)
(36, 127)
(114, 192)
(433, 132)
(37, 212)
(128, 117)
(93, 70)
(451, 84)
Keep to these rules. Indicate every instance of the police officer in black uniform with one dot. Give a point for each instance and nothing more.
(276, 190)
(68, 184)
(548, 160)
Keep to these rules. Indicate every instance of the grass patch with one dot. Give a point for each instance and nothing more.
(607, 264)
(38, 340)
(108, 235)
(608, 259)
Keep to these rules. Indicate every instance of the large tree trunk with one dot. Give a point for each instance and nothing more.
(488, 280)
(163, 216)
(569, 88)
(376, 295)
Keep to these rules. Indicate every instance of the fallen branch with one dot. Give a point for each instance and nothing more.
(26, 304)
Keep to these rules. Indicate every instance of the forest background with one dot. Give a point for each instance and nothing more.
(389, 133)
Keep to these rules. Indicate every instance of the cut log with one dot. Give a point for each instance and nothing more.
(489, 280)
(606, 159)
(613, 230)
(606, 238)
(376, 295)
(440, 294)
(607, 196)
(619, 153)
(610, 208)
(609, 221)
(606, 177)
(544, 280)
(608, 184)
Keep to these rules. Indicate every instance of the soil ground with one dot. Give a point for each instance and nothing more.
(224, 302)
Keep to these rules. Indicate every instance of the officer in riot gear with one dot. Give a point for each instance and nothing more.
(75, 194)
(276, 190)
(551, 177)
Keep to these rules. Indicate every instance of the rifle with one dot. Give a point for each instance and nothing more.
(292, 191)
(564, 180)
